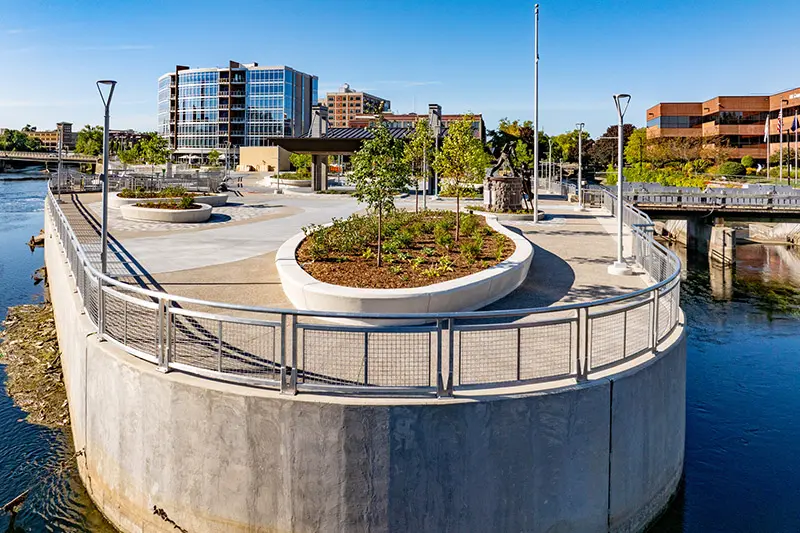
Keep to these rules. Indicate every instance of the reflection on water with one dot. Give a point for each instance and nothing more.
(743, 395)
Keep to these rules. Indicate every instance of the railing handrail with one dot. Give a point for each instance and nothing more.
(393, 316)
(95, 288)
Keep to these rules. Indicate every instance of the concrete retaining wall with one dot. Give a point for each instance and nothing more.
(603, 455)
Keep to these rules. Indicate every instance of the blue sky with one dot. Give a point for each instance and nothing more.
(467, 55)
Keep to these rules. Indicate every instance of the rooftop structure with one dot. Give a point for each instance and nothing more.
(409, 120)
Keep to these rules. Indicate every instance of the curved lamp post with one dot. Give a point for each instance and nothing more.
(536, 115)
(580, 126)
(110, 84)
(620, 268)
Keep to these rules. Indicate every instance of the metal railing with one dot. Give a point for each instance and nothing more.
(296, 351)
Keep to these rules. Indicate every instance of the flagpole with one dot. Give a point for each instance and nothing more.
(780, 140)
(767, 135)
(536, 115)
(796, 127)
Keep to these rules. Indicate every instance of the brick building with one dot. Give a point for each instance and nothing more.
(738, 120)
(346, 104)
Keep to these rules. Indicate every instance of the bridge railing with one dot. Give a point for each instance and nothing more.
(303, 351)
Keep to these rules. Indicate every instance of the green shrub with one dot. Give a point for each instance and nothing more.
(469, 223)
(390, 247)
(731, 168)
(404, 238)
(471, 249)
(443, 237)
(748, 161)
(186, 202)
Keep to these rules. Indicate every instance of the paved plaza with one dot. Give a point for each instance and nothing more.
(231, 258)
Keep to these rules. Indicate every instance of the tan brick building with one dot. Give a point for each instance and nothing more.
(739, 120)
(344, 105)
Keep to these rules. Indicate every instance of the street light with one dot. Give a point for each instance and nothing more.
(536, 115)
(620, 268)
(580, 126)
(60, 127)
(104, 228)
(780, 125)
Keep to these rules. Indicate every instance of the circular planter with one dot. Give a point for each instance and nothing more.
(214, 200)
(288, 183)
(512, 217)
(152, 214)
(467, 293)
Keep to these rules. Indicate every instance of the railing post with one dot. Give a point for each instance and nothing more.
(451, 335)
(583, 343)
(654, 321)
(366, 358)
(440, 387)
(282, 354)
(219, 346)
(163, 335)
(101, 311)
(293, 375)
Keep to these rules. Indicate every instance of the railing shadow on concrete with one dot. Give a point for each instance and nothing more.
(294, 351)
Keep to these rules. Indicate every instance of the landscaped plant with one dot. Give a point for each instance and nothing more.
(167, 192)
(344, 252)
(461, 160)
(748, 161)
(419, 154)
(379, 173)
(731, 168)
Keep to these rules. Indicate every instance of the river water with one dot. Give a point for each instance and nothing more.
(742, 470)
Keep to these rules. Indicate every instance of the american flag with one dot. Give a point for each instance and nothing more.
(780, 121)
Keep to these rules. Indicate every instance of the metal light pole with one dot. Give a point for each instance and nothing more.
(111, 84)
(60, 127)
(536, 115)
(620, 267)
(580, 126)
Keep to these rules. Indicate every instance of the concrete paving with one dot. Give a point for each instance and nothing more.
(233, 261)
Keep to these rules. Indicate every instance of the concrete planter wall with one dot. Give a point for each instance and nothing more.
(467, 293)
(151, 214)
(214, 200)
(289, 183)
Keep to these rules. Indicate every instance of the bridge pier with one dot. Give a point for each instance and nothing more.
(696, 233)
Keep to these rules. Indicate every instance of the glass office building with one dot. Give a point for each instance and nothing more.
(206, 109)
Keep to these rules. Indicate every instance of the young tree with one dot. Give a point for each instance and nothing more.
(90, 140)
(301, 162)
(461, 160)
(153, 149)
(380, 171)
(636, 148)
(128, 157)
(213, 158)
(419, 153)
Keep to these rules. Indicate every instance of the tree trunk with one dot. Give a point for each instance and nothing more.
(416, 194)
(458, 212)
(380, 233)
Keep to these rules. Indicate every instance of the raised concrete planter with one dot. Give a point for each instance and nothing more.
(272, 182)
(151, 214)
(512, 217)
(214, 200)
(467, 293)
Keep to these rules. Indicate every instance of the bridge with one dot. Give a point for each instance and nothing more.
(756, 203)
(46, 157)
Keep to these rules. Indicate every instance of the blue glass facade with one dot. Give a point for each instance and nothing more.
(204, 109)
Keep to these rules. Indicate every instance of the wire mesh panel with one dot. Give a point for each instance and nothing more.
(194, 342)
(132, 321)
(485, 356)
(332, 357)
(90, 300)
(637, 330)
(546, 351)
(667, 310)
(249, 349)
(606, 339)
(401, 359)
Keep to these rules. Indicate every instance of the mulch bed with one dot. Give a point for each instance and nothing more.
(409, 267)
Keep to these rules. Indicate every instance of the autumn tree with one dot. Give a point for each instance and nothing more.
(380, 171)
(461, 160)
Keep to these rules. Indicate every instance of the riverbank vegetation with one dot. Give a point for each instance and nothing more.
(29, 349)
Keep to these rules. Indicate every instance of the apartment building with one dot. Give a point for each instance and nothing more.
(346, 104)
(738, 120)
(204, 109)
(49, 138)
